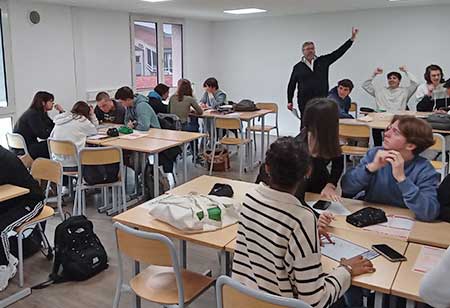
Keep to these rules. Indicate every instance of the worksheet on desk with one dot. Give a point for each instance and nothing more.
(336, 208)
(345, 249)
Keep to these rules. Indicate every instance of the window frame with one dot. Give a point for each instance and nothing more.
(10, 110)
(159, 21)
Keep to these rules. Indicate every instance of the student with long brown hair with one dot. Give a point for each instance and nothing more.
(183, 102)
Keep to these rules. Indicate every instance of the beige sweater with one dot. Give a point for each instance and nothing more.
(183, 108)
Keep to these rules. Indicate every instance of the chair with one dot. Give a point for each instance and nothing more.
(230, 123)
(163, 282)
(354, 108)
(267, 128)
(41, 169)
(353, 131)
(17, 142)
(96, 157)
(231, 293)
(439, 146)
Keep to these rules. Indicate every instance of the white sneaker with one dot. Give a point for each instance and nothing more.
(13, 262)
(5, 275)
(65, 191)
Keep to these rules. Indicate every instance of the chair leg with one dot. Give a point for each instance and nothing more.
(124, 197)
(278, 132)
(212, 157)
(254, 138)
(241, 157)
(268, 139)
(345, 162)
(60, 209)
(20, 255)
(83, 203)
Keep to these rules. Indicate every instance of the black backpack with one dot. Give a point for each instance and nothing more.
(439, 121)
(245, 105)
(169, 121)
(79, 254)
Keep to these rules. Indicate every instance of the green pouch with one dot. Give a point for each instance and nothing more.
(125, 130)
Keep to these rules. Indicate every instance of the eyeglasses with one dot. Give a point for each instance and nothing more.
(395, 130)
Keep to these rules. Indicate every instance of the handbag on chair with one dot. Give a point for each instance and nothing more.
(221, 159)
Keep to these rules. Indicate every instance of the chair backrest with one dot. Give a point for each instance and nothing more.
(270, 106)
(149, 248)
(47, 170)
(62, 147)
(353, 107)
(354, 131)
(100, 156)
(16, 141)
(439, 145)
(228, 123)
(231, 293)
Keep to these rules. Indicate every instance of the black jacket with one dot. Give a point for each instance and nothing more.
(428, 104)
(15, 173)
(158, 105)
(34, 124)
(311, 84)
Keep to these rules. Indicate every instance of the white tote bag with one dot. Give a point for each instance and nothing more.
(190, 212)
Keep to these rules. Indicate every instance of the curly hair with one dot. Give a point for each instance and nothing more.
(288, 162)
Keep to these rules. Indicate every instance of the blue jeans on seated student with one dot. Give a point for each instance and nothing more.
(192, 125)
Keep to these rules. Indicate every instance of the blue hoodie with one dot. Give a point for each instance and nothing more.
(343, 104)
(141, 113)
(418, 192)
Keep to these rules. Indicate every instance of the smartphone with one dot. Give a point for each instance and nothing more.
(322, 205)
(389, 253)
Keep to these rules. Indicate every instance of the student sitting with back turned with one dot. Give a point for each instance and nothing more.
(213, 96)
(341, 95)
(15, 212)
(109, 110)
(395, 174)
(435, 285)
(432, 95)
(277, 248)
(35, 124)
(75, 126)
(392, 98)
(139, 114)
(180, 104)
(155, 98)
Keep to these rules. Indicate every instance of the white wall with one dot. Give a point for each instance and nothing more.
(75, 50)
(255, 57)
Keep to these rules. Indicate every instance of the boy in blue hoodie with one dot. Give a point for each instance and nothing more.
(139, 114)
(395, 174)
(341, 95)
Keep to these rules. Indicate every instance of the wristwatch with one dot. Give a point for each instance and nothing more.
(347, 267)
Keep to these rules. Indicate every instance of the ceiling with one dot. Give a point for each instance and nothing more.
(213, 9)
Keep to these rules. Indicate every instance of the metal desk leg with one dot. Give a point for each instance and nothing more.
(262, 138)
(183, 254)
(143, 164)
(185, 145)
(15, 297)
(225, 263)
(378, 300)
(156, 174)
(410, 304)
(136, 166)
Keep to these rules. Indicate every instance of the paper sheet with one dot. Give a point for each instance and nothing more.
(295, 113)
(428, 258)
(133, 136)
(345, 249)
(397, 226)
(97, 137)
(335, 208)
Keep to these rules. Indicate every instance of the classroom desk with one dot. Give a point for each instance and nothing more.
(8, 191)
(246, 116)
(427, 233)
(381, 280)
(145, 146)
(175, 135)
(407, 282)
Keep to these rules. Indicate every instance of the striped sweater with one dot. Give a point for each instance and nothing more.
(278, 250)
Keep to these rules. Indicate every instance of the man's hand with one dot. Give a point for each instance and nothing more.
(290, 106)
(430, 88)
(403, 68)
(379, 161)
(378, 71)
(130, 124)
(329, 192)
(354, 33)
(398, 165)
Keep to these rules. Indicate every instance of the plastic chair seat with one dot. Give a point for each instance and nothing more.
(258, 128)
(354, 150)
(158, 284)
(437, 164)
(233, 141)
(46, 213)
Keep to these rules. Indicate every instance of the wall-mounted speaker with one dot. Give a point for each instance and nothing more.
(34, 17)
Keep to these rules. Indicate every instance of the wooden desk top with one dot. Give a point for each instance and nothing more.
(243, 115)
(173, 135)
(8, 191)
(407, 282)
(100, 141)
(143, 144)
(205, 183)
(381, 280)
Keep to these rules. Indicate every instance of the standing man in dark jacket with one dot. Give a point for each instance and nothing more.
(310, 75)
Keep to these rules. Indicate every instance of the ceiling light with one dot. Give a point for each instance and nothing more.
(245, 11)
(155, 0)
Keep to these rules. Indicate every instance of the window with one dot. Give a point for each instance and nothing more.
(173, 54)
(145, 48)
(6, 107)
(158, 52)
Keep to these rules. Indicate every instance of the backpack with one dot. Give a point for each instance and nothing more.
(79, 254)
(245, 105)
(439, 121)
(149, 189)
(169, 121)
